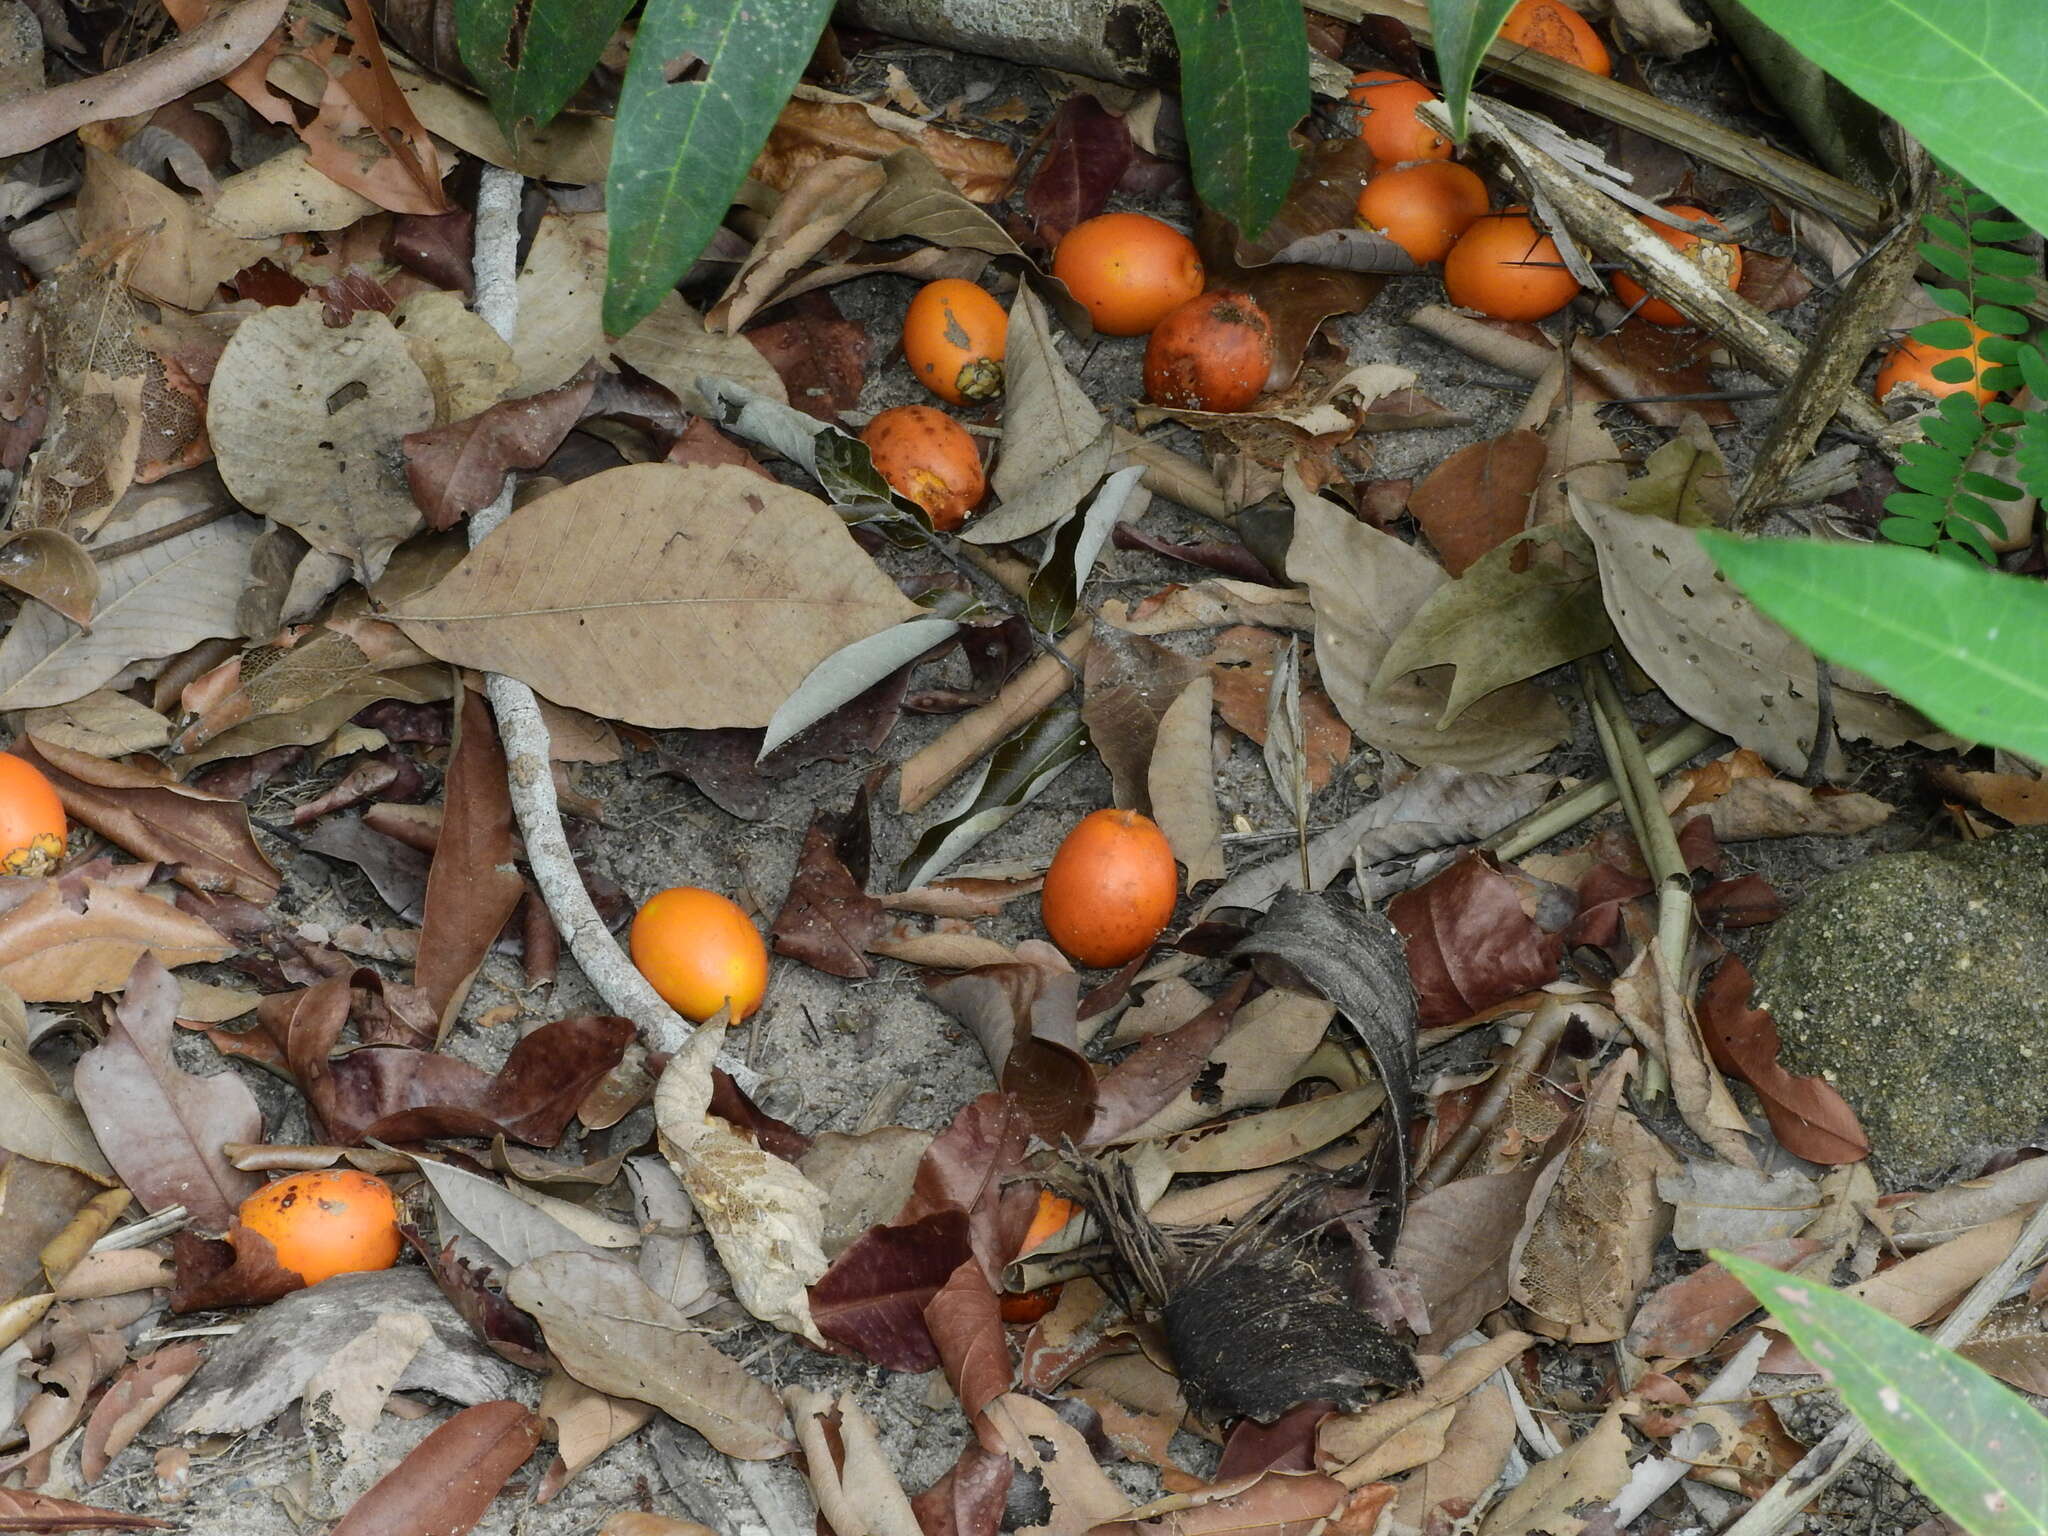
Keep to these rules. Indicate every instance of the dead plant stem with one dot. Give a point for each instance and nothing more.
(1569, 810)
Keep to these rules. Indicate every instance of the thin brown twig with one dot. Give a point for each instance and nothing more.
(1538, 1036)
(116, 548)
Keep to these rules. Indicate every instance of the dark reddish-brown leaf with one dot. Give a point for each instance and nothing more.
(966, 1322)
(1241, 665)
(381, 775)
(449, 1479)
(730, 1103)
(1773, 282)
(1024, 1015)
(1161, 1068)
(454, 470)
(21, 1510)
(969, 1500)
(239, 1270)
(503, 1327)
(873, 1298)
(968, 1167)
(1639, 360)
(1811, 1119)
(435, 245)
(702, 443)
(137, 1395)
(472, 888)
(205, 837)
(1232, 560)
(1288, 1444)
(1469, 943)
(828, 918)
(993, 652)
(1687, 1317)
(1748, 901)
(1384, 503)
(1087, 151)
(1478, 498)
(819, 354)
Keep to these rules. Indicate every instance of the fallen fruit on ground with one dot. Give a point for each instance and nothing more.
(1423, 206)
(1211, 354)
(1552, 27)
(1387, 122)
(1913, 362)
(1111, 888)
(32, 825)
(1504, 266)
(928, 456)
(1028, 1306)
(953, 338)
(1128, 270)
(1718, 259)
(700, 952)
(332, 1221)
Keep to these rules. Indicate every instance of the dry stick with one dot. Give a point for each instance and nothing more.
(1600, 223)
(1024, 696)
(1481, 342)
(525, 735)
(191, 520)
(1538, 1036)
(1820, 1467)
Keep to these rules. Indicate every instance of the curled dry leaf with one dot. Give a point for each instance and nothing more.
(589, 593)
(138, 1394)
(51, 567)
(182, 255)
(35, 1120)
(847, 1467)
(77, 936)
(1181, 786)
(817, 124)
(1241, 662)
(1810, 1117)
(828, 918)
(1024, 1016)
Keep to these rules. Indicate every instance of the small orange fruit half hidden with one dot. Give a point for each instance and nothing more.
(700, 952)
(1128, 270)
(1386, 104)
(1716, 258)
(1111, 888)
(954, 337)
(1213, 353)
(331, 1221)
(32, 825)
(928, 456)
(1424, 206)
(1913, 362)
(1504, 266)
(1552, 27)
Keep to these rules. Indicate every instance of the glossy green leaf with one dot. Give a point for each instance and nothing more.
(1978, 1449)
(1463, 29)
(704, 85)
(1968, 78)
(1244, 79)
(531, 55)
(1962, 645)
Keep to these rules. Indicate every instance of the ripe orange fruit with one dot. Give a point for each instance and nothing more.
(1552, 27)
(953, 338)
(332, 1221)
(1211, 354)
(928, 456)
(1715, 258)
(1111, 888)
(1423, 206)
(32, 825)
(1054, 1212)
(1504, 266)
(1387, 122)
(700, 952)
(1128, 270)
(1028, 1306)
(1912, 362)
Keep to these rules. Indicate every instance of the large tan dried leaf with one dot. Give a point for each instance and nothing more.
(672, 347)
(660, 595)
(69, 941)
(611, 1332)
(183, 255)
(1366, 587)
(1269, 1039)
(35, 1120)
(1181, 783)
(1586, 1253)
(765, 1218)
(345, 1398)
(105, 723)
(584, 1423)
(561, 301)
(1048, 418)
(1590, 1471)
(817, 125)
(848, 1470)
(814, 210)
(467, 364)
(284, 195)
(1040, 1441)
(306, 420)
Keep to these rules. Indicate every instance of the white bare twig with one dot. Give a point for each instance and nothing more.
(520, 726)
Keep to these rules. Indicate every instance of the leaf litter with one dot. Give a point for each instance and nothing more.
(1074, 1213)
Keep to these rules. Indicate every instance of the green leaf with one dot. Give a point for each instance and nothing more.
(1950, 299)
(1977, 1449)
(1463, 29)
(2034, 364)
(1946, 230)
(2002, 290)
(1909, 531)
(1244, 75)
(683, 147)
(1968, 78)
(1942, 333)
(1955, 370)
(1949, 263)
(531, 55)
(1997, 232)
(2007, 322)
(1962, 645)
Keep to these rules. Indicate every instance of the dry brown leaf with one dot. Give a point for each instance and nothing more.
(449, 1479)
(76, 937)
(817, 125)
(856, 1492)
(54, 569)
(584, 1423)
(1590, 1471)
(814, 210)
(346, 1396)
(1180, 782)
(183, 255)
(1207, 604)
(306, 420)
(1476, 1449)
(1344, 1442)
(1931, 1281)
(660, 595)
(1040, 1441)
(104, 723)
(137, 1396)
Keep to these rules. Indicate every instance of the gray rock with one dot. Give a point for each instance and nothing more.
(1918, 984)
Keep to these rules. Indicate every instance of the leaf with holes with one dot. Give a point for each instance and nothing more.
(529, 58)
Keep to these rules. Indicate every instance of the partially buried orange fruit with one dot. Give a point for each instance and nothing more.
(1386, 104)
(32, 825)
(1424, 206)
(928, 456)
(1111, 888)
(1504, 266)
(1913, 362)
(1552, 27)
(1719, 259)
(1128, 270)
(954, 337)
(700, 952)
(332, 1221)
(1212, 354)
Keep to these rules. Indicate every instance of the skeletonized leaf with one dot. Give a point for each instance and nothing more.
(663, 595)
(851, 671)
(1012, 776)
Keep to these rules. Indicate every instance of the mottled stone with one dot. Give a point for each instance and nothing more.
(1918, 984)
